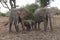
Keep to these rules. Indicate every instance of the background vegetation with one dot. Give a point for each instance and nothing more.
(31, 8)
(3, 14)
(58, 12)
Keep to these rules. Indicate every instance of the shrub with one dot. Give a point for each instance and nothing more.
(58, 12)
(3, 14)
(31, 9)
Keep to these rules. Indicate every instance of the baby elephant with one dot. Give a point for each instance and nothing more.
(28, 24)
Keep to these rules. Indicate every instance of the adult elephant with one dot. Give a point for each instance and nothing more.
(42, 15)
(17, 16)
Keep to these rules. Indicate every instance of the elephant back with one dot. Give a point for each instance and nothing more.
(40, 14)
(41, 11)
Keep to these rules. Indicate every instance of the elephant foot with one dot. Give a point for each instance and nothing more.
(10, 31)
(45, 30)
(17, 30)
(51, 29)
(38, 29)
(35, 28)
(28, 29)
(23, 29)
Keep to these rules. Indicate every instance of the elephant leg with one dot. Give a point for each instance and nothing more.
(10, 23)
(39, 26)
(17, 28)
(28, 28)
(35, 26)
(16, 25)
(19, 19)
(32, 27)
(22, 23)
(50, 23)
(45, 25)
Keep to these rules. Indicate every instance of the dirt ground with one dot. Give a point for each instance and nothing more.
(31, 35)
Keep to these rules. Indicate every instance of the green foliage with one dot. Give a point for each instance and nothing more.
(31, 9)
(58, 12)
(3, 14)
(44, 3)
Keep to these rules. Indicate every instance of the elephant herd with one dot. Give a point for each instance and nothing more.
(40, 15)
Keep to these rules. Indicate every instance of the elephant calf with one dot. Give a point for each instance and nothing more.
(29, 24)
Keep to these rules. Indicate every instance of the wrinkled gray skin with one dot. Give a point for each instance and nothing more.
(13, 18)
(29, 24)
(17, 16)
(42, 15)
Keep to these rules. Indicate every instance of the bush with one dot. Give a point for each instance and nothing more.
(3, 14)
(31, 9)
(58, 12)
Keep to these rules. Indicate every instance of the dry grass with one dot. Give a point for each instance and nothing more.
(32, 35)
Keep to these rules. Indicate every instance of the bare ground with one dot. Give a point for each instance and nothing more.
(31, 35)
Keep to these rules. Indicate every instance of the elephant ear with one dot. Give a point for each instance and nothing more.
(23, 12)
